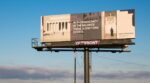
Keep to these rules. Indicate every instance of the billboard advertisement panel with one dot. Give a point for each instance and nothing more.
(85, 26)
(88, 27)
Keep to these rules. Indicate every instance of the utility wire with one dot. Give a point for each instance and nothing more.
(126, 62)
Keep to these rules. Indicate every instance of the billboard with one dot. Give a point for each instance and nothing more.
(88, 27)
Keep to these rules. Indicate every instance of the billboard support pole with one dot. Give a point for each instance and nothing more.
(75, 56)
(86, 66)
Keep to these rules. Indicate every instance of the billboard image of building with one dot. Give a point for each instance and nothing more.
(88, 27)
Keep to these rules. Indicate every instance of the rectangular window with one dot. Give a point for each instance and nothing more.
(59, 25)
(50, 26)
(66, 25)
(62, 25)
(47, 26)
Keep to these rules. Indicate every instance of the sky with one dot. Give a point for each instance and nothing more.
(20, 63)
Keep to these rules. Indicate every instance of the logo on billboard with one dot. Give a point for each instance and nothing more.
(87, 42)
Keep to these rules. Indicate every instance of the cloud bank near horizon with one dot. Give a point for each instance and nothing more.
(27, 73)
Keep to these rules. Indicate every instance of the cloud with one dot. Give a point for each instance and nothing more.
(27, 73)
(122, 75)
(32, 73)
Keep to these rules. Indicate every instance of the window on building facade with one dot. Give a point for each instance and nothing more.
(59, 25)
(66, 25)
(47, 26)
(62, 25)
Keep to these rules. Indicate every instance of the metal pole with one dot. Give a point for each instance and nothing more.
(86, 66)
(74, 67)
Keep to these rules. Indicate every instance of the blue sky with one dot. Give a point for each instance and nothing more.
(20, 21)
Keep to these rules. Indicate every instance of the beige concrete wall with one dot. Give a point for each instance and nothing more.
(102, 25)
(50, 32)
(125, 28)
